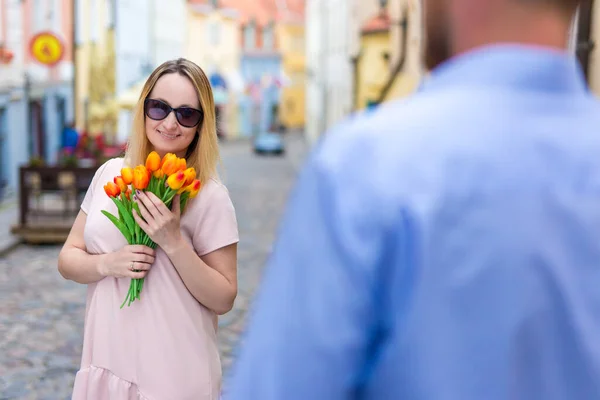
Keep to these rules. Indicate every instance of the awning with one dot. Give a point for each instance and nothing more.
(96, 111)
(129, 98)
(217, 81)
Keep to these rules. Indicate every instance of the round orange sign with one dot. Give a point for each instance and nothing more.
(46, 48)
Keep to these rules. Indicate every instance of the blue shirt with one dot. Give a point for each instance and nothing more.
(446, 246)
(70, 138)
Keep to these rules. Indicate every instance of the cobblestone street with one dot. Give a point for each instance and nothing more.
(41, 314)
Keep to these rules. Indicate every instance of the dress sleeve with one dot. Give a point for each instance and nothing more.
(217, 225)
(96, 181)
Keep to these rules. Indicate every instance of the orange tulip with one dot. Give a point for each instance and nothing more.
(111, 189)
(194, 188)
(141, 177)
(128, 194)
(153, 161)
(118, 180)
(176, 180)
(182, 164)
(190, 175)
(158, 174)
(170, 164)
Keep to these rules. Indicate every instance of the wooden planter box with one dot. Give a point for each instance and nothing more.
(49, 200)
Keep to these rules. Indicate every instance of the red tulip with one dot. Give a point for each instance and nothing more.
(112, 189)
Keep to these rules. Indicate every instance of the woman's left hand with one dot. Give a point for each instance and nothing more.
(160, 223)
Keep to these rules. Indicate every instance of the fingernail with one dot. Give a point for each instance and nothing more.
(134, 197)
(137, 191)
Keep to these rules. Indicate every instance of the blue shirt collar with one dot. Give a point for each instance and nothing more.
(511, 65)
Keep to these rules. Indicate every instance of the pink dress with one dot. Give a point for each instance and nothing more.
(164, 346)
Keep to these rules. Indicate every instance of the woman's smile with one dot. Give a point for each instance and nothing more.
(168, 136)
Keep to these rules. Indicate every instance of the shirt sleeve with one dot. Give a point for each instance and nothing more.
(217, 227)
(96, 181)
(310, 331)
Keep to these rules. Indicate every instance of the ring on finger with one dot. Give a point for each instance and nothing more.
(131, 266)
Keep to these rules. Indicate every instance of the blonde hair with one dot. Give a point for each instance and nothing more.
(203, 152)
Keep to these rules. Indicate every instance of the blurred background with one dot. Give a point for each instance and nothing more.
(282, 72)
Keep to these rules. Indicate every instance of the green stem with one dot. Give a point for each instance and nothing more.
(126, 297)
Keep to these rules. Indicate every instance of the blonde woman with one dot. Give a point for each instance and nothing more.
(164, 346)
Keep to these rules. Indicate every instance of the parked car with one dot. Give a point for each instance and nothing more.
(269, 142)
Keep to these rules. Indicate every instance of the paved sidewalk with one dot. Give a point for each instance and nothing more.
(9, 214)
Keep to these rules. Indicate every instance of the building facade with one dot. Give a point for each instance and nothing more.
(14, 150)
(213, 43)
(332, 50)
(290, 36)
(36, 100)
(119, 43)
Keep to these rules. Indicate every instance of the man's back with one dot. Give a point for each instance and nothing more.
(499, 200)
(454, 246)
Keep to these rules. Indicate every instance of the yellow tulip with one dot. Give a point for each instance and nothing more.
(193, 188)
(190, 175)
(127, 175)
(176, 180)
(158, 174)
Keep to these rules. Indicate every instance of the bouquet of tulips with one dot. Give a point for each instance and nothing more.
(165, 178)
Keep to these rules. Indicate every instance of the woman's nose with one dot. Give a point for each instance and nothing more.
(171, 120)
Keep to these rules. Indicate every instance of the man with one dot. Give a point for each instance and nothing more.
(447, 246)
(70, 137)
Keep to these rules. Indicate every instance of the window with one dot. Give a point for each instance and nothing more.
(79, 27)
(40, 14)
(250, 36)
(95, 26)
(268, 39)
(214, 33)
(55, 15)
(1, 22)
(110, 14)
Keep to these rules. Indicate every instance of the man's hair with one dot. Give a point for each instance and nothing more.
(567, 5)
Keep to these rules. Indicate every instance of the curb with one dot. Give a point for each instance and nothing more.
(11, 245)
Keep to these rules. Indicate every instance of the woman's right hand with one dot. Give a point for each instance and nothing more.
(132, 261)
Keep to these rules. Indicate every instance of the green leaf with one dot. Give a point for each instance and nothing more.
(127, 217)
(183, 201)
(120, 225)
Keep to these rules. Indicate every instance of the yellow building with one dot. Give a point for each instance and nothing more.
(406, 46)
(390, 63)
(290, 37)
(95, 108)
(213, 42)
(373, 67)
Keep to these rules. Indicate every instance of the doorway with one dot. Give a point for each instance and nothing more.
(38, 134)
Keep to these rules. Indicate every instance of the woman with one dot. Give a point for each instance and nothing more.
(164, 345)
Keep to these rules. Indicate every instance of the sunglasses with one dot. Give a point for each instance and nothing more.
(186, 116)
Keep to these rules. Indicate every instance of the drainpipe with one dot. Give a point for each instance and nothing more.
(400, 65)
(585, 44)
(75, 100)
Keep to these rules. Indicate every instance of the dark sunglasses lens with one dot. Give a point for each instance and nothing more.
(156, 109)
(188, 117)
